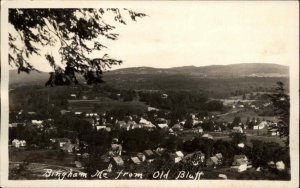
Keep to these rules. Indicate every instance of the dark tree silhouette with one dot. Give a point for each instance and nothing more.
(76, 31)
(281, 104)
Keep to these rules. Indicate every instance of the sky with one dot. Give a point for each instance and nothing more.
(205, 33)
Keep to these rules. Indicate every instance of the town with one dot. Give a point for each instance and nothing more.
(140, 131)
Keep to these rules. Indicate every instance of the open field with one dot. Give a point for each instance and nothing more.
(243, 114)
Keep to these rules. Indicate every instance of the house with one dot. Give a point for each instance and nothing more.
(146, 123)
(274, 132)
(237, 129)
(179, 154)
(164, 96)
(240, 163)
(62, 141)
(141, 156)
(241, 145)
(149, 154)
(280, 166)
(22, 143)
(18, 143)
(208, 136)
(199, 130)
(262, 125)
(135, 160)
(118, 161)
(14, 125)
(162, 125)
(152, 109)
(174, 157)
(101, 127)
(37, 122)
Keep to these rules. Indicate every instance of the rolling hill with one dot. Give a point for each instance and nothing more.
(210, 78)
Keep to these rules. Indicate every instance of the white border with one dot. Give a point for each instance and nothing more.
(294, 95)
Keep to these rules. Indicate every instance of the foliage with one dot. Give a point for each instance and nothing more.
(77, 31)
(281, 104)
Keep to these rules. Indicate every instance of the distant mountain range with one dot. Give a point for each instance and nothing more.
(213, 71)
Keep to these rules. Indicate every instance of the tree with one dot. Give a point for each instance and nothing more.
(281, 104)
(77, 32)
(236, 121)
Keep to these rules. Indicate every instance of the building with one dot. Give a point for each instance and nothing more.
(61, 141)
(162, 125)
(237, 129)
(174, 157)
(18, 143)
(118, 161)
(240, 163)
(208, 136)
(135, 160)
(274, 132)
(149, 154)
(152, 109)
(141, 157)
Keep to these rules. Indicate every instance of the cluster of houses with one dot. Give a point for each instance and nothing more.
(250, 105)
(18, 143)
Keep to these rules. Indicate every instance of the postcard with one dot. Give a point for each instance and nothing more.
(149, 94)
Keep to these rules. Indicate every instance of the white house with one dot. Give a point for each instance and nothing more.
(237, 129)
(100, 127)
(162, 125)
(152, 109)
(208, 136)
(18, 143)
(280, 165)
(240, 163)
(38, 122)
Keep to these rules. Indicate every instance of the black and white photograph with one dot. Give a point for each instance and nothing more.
(178, 93)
